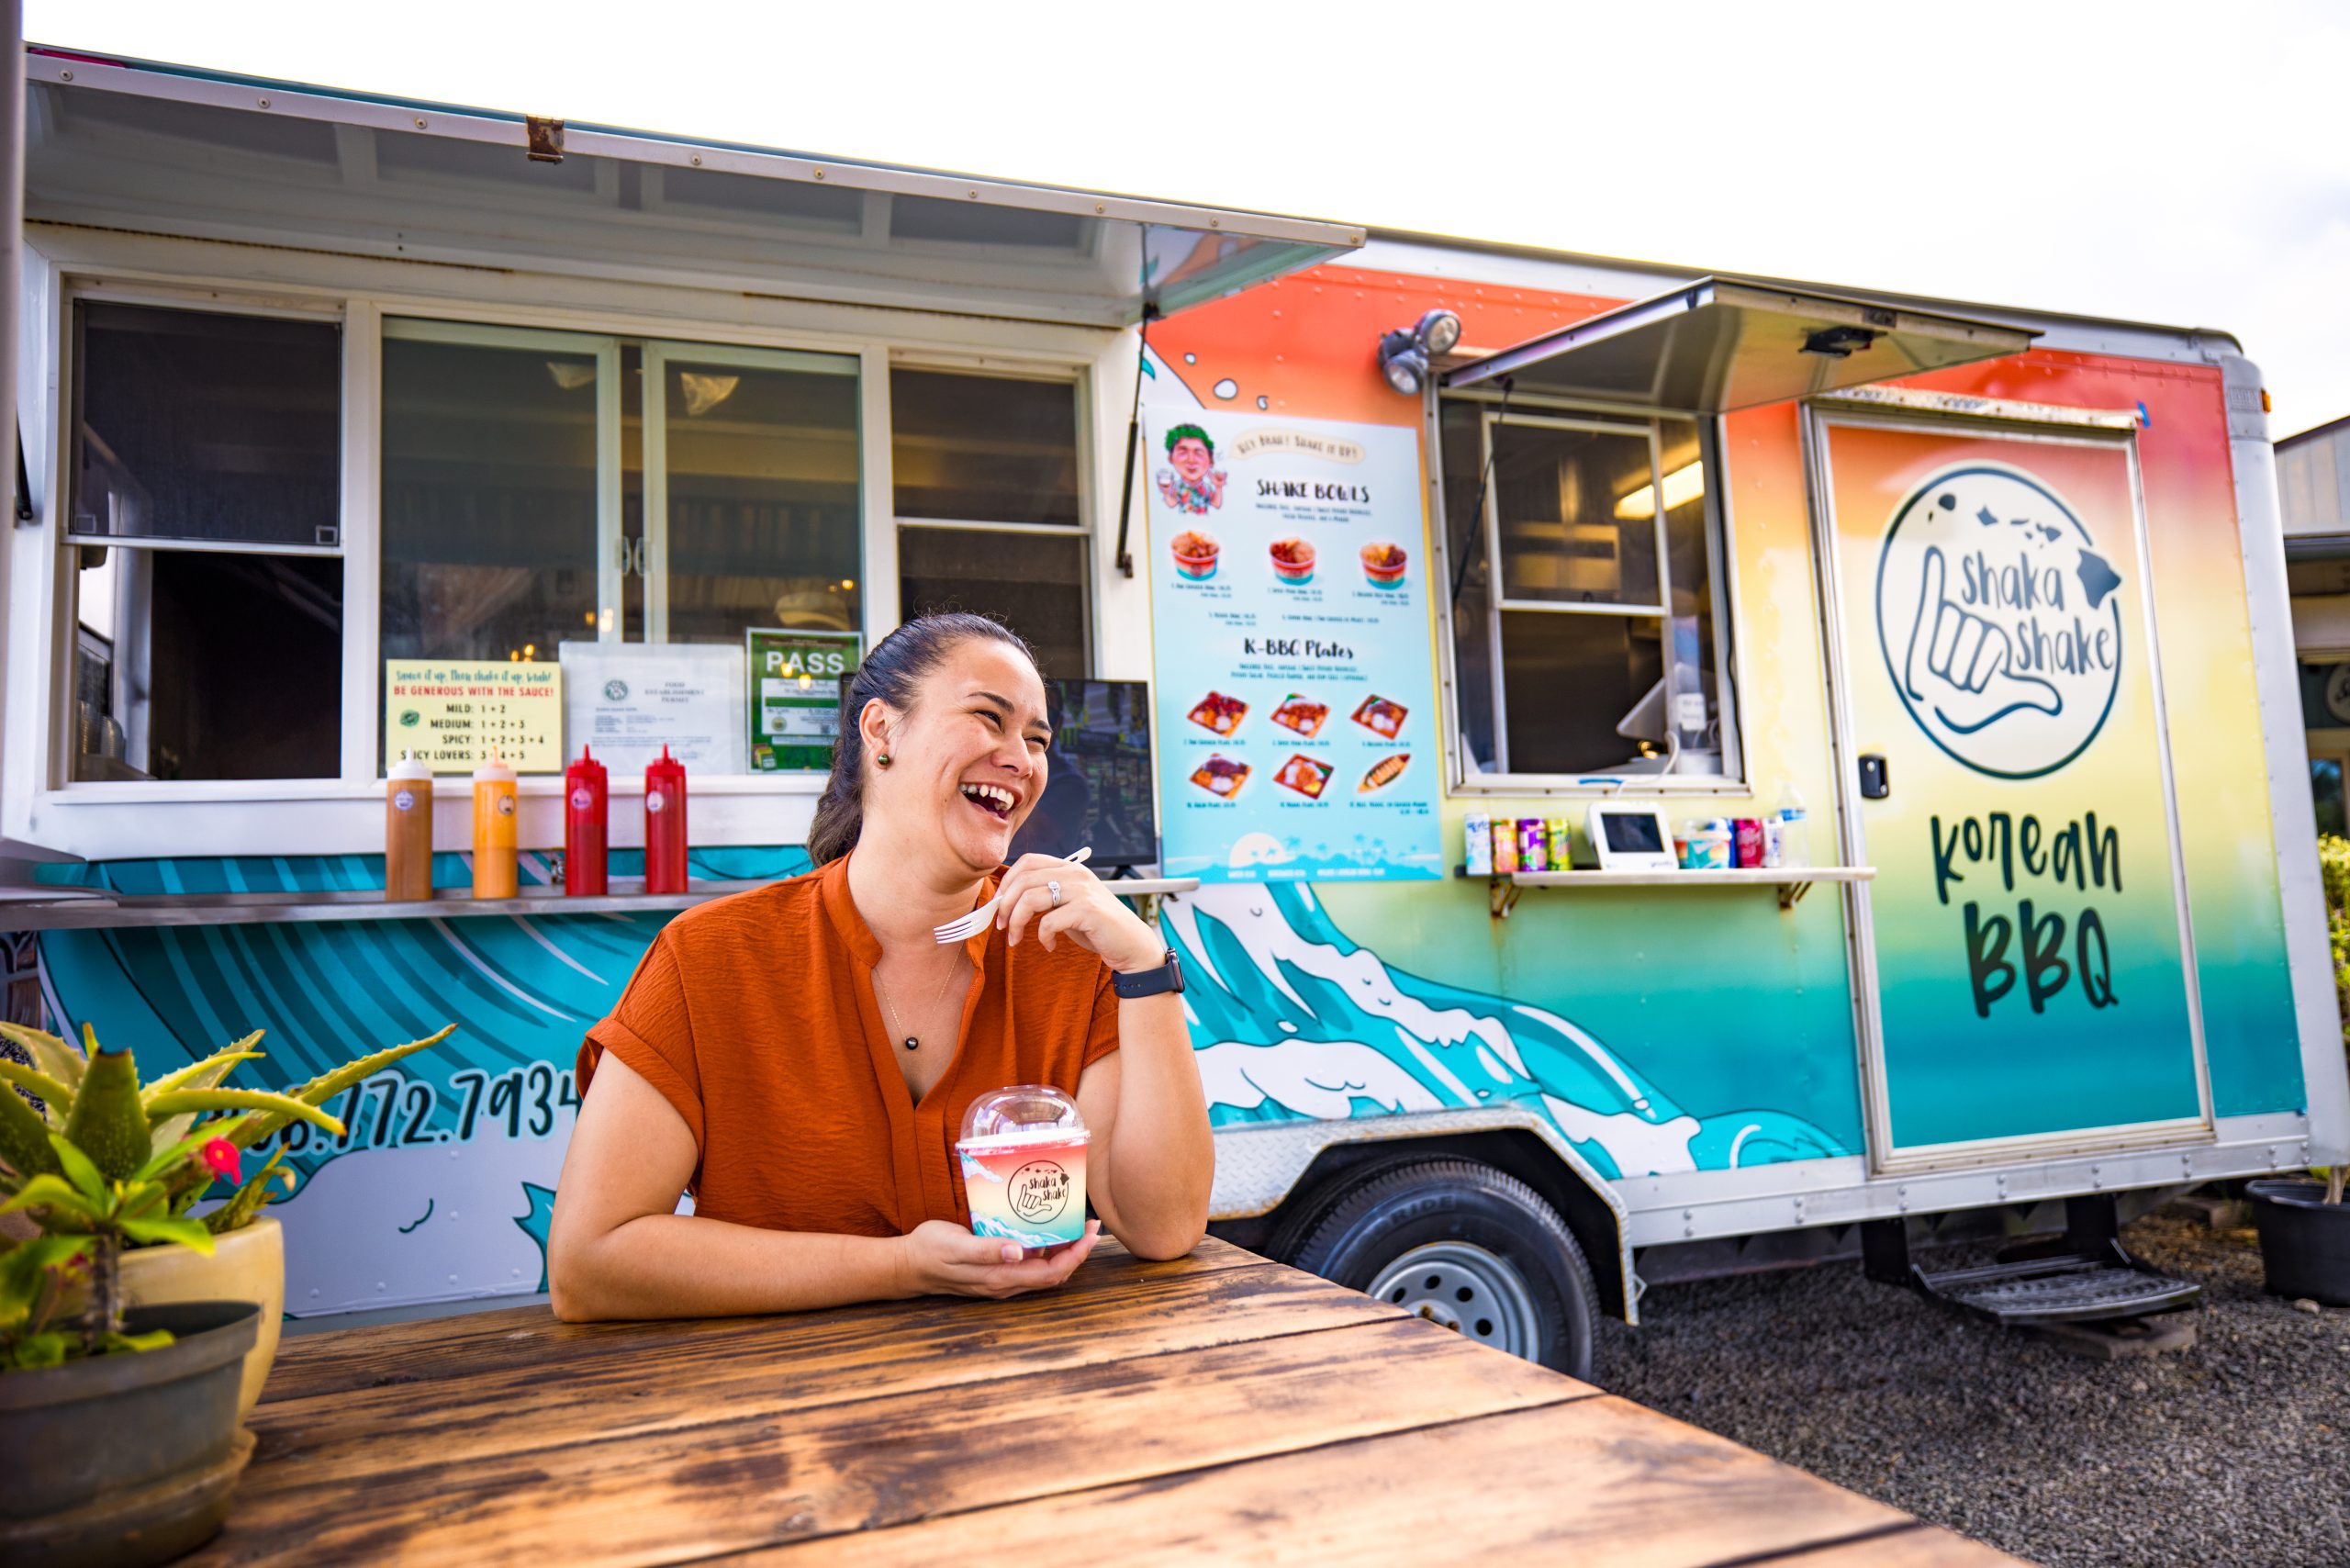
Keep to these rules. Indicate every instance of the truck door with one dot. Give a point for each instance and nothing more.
(2026, 959)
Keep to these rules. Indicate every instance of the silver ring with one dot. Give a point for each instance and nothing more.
(1054, 889)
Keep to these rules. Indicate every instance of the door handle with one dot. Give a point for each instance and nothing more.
(1876, 783)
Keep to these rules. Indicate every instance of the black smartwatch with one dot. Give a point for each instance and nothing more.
(1169, 976)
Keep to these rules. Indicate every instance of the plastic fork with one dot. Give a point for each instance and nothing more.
(973, 923)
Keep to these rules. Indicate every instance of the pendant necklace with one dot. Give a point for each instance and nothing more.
(913, 1042)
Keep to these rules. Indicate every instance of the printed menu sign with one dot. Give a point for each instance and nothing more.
(796, 697)
(629, 699)
(452, 713)
(1289, 606)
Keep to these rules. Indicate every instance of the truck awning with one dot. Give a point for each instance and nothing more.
(1720, 343)
(152, 148)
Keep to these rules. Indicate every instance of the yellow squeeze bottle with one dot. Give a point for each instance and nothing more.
(494, 829)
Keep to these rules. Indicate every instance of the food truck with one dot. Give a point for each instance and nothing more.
(1645, 770)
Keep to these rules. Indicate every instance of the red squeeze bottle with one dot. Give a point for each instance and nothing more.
(665, 825)
(584, 837)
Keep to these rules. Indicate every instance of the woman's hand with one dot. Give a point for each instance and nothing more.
(941, 1258)
(1089, 915)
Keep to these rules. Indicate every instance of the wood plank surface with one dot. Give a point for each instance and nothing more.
(1916, 1546)
(756, 1480)
(672, 1381)
(388, 1354)
(1598, 1479)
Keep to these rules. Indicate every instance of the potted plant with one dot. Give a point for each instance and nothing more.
(2304, 1225)
(246, 1258)
(119, 1423)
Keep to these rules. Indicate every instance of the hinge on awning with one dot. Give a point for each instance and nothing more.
(545, 139)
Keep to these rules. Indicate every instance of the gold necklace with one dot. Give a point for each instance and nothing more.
(913, 1042)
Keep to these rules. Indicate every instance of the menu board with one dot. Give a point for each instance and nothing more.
(453, 712)
(628, 700)
(796, 697)
(1289, 623)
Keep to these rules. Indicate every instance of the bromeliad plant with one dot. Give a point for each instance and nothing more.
(108, 1163)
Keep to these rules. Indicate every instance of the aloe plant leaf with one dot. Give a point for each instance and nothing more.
(239, 1210)
(50, 1054)
(204, 1074)
(153, 1339)
(55, 1095)
(213, 1070)
(53, 1192)
(108, 1123)
(259, 1100)
(24, 1137)
(324, 1087)
(156, 1229)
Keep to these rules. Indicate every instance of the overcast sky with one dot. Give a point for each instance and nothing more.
(2165, 161)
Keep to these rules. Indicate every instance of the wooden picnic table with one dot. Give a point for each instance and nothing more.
(1217, 1406)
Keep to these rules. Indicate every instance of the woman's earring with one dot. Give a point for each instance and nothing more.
(883, 760)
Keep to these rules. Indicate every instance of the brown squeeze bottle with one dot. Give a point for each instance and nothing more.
(407, 831)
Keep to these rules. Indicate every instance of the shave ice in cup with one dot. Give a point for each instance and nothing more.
(1022, 1152)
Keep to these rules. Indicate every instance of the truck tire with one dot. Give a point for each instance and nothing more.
(1466, 1246)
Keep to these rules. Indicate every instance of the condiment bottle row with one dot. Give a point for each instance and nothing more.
(408, 828)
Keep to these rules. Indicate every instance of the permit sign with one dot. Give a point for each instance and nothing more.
(796, 697)
(453, 712)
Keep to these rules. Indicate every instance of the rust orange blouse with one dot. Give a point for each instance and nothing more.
(754, 1016)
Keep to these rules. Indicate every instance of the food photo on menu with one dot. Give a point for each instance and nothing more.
(1305, 775)
(1380, 717)
(1302, 714)
(1195, 555)
(1293, 561)
(1218, 713)
(1385, 564)
(1221, 776)
(1382, 773)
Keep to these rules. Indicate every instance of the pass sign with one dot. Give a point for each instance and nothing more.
(796, 697)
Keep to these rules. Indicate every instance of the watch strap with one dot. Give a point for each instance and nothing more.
(1167, 976)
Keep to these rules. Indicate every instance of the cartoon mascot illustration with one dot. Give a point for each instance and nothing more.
(1194, 484)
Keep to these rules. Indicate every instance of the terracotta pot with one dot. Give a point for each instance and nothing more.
(246, 1265)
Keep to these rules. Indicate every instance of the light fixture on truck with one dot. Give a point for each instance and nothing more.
(1404, 353)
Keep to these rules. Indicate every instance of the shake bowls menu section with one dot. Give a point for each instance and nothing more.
(1022, 1152)
(1290, 617)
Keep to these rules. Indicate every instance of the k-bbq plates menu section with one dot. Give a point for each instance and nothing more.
(1288, 605)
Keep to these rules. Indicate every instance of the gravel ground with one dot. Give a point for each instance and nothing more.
(2236, 1451)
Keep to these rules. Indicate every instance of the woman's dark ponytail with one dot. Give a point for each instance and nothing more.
(891, 673)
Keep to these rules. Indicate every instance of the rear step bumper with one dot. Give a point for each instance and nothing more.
(2093, 1277)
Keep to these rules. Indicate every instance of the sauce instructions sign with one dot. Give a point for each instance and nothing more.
(1289, 592)
(453, 712)
(796, 697)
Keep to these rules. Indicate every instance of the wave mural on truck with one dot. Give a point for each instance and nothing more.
(442, 1183)
(1293, 1021)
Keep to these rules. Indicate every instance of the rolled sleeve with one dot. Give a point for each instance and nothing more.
(651, 1031)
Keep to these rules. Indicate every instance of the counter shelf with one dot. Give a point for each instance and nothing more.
(87, 908)
(1503, 889)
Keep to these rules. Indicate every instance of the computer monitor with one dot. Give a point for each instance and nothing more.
(1098, 777)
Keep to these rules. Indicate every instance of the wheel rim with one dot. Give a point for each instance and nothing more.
(1478, 1295)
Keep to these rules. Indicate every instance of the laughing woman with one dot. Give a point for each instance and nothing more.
(798, 1058)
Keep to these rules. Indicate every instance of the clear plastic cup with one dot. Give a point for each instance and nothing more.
(1022, 1152)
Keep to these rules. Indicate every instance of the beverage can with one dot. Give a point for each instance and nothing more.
(1533, 845)
(1775, 842)
(1563, 844)
(1477, 845)
(1746, 843)
(1505, 834)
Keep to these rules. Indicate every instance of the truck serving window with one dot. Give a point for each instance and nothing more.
(204, 531)
(1586, 611)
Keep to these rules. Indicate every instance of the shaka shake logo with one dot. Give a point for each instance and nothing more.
(2000, 619)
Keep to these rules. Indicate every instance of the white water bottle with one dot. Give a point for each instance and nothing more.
(1794, 828)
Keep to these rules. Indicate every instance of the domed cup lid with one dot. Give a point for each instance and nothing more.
(1022, 1110)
